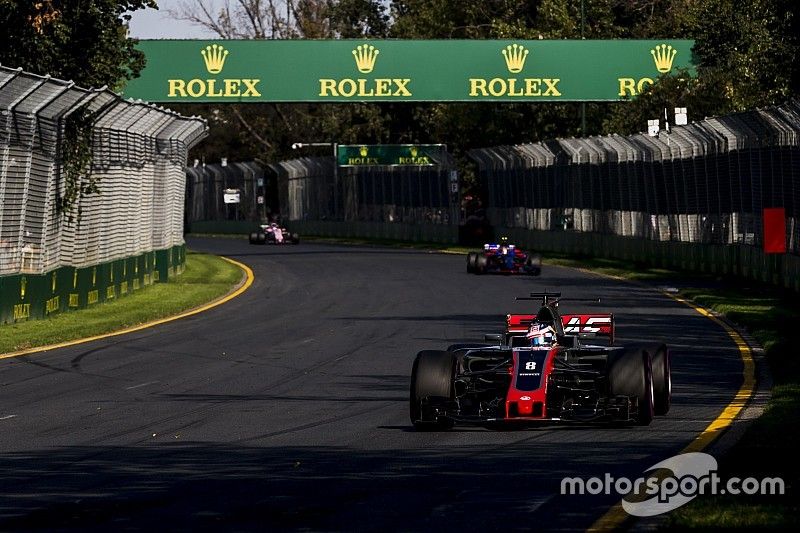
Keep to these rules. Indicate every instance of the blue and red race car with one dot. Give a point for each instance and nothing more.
(541, 370)
(504, 258)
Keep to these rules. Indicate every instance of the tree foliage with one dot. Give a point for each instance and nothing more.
(85, 41)
(746, 55)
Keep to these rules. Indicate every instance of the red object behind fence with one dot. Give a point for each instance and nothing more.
(774, 230)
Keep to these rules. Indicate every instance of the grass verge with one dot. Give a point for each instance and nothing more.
(206, 278)
(768, 446)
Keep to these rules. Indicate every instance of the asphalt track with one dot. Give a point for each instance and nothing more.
(287, 408)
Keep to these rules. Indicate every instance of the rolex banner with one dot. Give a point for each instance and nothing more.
(414, 71)
(358, 155)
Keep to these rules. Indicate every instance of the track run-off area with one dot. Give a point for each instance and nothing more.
(287, 407)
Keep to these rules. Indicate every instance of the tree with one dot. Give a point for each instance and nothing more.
(85, 41)
(745, 53)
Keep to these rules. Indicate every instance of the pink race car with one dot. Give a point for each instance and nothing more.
(274, 234)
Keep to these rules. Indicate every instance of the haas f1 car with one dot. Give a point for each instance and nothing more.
(541, 370)
(274, 234)
(503, 258)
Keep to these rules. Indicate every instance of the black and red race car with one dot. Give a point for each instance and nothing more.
(503, 258)
(274, 233)
(565, 380)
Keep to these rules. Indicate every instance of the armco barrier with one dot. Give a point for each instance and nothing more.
(223, 227)
(437, 233)
(31, 296)
(735, 260)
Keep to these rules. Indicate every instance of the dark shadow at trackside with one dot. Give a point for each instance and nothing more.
(168, 485)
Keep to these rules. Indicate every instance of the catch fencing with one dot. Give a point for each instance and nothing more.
(138, 155)
(692, 197)
(205, 191)
(397, 202)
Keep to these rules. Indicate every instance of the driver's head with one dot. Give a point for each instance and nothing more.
(541, 335)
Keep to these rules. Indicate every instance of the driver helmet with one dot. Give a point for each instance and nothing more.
(541, 335)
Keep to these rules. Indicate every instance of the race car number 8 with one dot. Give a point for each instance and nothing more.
(530, 365)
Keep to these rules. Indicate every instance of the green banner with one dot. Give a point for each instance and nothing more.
(396, 71)
(358, 155)
(32, 296)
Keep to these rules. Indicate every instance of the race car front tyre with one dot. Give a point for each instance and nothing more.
(662, 378)
(631, 374)
(295, 238)
(471, 258)
(431, 386)
(533, 264)
(254, 238)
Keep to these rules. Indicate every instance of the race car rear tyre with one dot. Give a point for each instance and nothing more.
(662, 378)
(432, 381)
(631, 374)
(481, 263)
(534, 264)
(254, 238)
(472, 257)
(262, 238)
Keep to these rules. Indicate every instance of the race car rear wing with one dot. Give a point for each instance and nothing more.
(582, 325)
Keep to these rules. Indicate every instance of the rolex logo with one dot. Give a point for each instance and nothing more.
(365, 55)
(416, 158)
(515, 55)
(663, 55)
(214, 55)
(363, 151)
